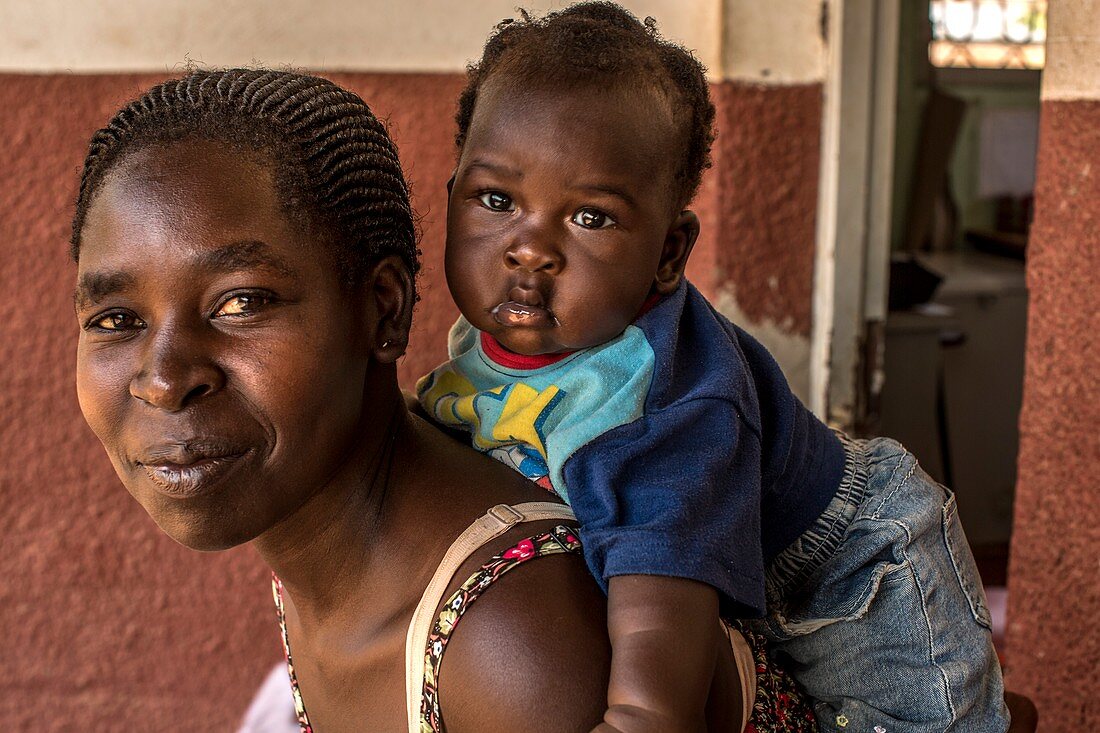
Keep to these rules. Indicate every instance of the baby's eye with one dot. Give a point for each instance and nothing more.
(115, 321)
(592, 219)
(496, 201)
(242, 305)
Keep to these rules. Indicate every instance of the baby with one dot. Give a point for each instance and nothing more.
(704, 488)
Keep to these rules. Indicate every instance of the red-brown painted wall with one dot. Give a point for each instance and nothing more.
(1054, 575)
(109, 624)
(766, 165)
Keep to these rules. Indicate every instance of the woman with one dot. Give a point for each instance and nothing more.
(246, 261)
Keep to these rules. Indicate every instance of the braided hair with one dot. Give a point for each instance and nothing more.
(336, 169)
(592, 43)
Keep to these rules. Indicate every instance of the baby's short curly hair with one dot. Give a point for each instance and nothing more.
(601, 42)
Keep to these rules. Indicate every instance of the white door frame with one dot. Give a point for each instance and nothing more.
(854, 200)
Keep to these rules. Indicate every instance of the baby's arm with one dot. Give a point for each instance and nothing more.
(662, 633)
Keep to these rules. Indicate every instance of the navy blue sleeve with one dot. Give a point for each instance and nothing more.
(675, 493)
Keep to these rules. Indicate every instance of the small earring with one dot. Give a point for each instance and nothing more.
(386, 344)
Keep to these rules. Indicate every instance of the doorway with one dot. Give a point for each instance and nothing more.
(944, 374)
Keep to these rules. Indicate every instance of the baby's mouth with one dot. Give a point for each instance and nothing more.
(514, 314)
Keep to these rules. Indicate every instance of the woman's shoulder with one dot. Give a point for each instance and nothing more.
(471, 480)
(533, 652)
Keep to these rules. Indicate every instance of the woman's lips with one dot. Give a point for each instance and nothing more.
(189, 474)
(521, 315)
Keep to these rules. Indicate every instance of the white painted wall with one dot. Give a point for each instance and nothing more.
(771, 42)
(1073, 51)
(375, 35)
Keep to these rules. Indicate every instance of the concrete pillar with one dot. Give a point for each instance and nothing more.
(1054, 584)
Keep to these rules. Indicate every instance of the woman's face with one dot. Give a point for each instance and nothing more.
(221, 362)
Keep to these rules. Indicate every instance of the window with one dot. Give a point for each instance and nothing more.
(988, 34)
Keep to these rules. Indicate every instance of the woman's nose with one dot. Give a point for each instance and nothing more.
(175, 373)
(534, 256)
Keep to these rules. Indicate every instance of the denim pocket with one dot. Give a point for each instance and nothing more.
(847, 589)
(962, 560)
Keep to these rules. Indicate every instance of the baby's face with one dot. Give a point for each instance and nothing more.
(561, 220)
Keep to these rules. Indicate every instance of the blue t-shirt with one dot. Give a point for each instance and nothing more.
(678, 444)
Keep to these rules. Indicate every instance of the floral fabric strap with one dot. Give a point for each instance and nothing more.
(558, 540)
(299, 706)
(486, 528)
(498, 520)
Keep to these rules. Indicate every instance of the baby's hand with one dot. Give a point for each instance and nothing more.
(624, 719)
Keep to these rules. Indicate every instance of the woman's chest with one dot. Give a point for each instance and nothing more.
(366, 694)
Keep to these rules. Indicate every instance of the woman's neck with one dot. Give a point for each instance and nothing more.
(359, 553)
(324, 552)
(356, 557)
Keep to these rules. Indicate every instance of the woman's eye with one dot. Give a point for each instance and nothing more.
(242, 305)
(117, 321)
(592, 219)
(496, 201)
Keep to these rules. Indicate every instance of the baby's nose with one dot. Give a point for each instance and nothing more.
(534, 257)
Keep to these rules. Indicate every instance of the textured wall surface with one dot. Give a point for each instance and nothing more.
(1053, 585)
(112, 626)
(764, 198)
(766, 160)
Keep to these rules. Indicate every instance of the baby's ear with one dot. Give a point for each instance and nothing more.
(678, 243)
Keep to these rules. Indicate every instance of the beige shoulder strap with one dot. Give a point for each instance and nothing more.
(746, 672)
(489, 526)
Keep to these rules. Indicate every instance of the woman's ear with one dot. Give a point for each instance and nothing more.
(678, 243)
(390, 293)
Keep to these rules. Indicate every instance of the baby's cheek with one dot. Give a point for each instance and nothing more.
(609, 318)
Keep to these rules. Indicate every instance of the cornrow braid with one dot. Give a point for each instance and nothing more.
(336, 168)
(600, 42)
